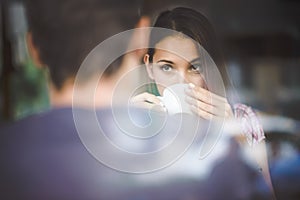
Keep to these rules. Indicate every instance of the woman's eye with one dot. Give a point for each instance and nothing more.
(166, 68)
(196, 68)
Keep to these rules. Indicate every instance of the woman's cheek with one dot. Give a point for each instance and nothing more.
(198, 80)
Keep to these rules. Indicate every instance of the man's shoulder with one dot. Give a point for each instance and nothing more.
(40, 122)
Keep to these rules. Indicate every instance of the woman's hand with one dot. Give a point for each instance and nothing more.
(147, 101)
(206, 104)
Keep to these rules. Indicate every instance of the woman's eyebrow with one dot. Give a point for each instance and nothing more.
(195, 60)
(167, 61)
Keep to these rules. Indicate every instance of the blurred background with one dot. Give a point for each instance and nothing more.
(260, 39)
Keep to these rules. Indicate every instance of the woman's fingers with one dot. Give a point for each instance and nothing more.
(208, 111)
(145, 97)
(201, 113)
(217, 111)
(205, 96)
(207, 104)
(147, 101)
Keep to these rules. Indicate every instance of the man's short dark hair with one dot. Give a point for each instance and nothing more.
(65, 31)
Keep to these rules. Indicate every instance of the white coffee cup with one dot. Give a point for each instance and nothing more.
(174, 99)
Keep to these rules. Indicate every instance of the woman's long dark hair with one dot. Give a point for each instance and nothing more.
(196, 26)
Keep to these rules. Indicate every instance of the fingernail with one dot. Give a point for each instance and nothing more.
(191, 85)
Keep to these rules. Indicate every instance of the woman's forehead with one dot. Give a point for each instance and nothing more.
(177, 45)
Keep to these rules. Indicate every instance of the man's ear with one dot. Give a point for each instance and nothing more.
(138, 41)
(33, 51)
(140, 37)
(148, 66)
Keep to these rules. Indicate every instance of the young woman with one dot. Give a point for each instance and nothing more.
(177, 57)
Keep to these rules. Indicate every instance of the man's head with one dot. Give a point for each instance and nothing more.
(64, 32)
